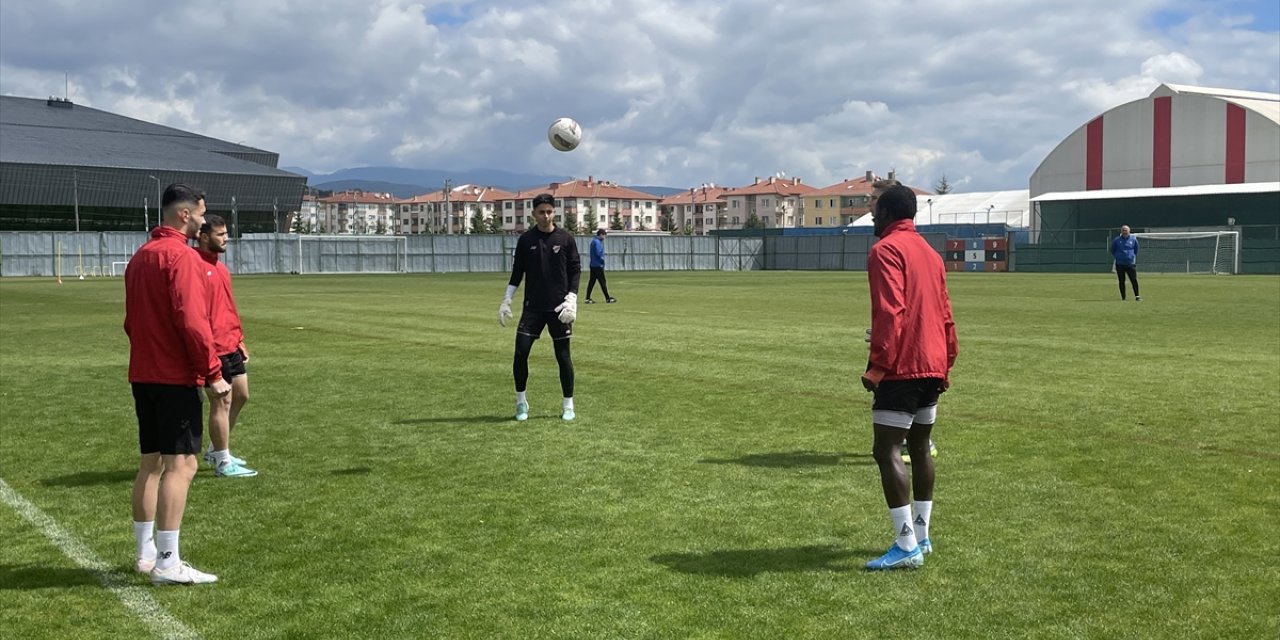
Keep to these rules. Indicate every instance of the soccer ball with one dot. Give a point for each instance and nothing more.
(565, 134)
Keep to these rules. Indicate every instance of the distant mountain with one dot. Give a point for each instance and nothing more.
(661, 192)
(374, 186)
(405, 183)
(298, 170)
(426, 180)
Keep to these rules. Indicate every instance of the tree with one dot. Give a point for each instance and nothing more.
(615, 223)
(589, 220)
(529, 222)
(753, 222)
(688, 228)
(495, 225)
(666, 222)
(571, 221)
(942, 186)
(381, 228)
(640, 224)
(478, 225)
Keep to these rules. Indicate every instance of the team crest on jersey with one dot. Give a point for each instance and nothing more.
(555, 249)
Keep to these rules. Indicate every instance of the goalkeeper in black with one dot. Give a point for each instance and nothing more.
(548, 257)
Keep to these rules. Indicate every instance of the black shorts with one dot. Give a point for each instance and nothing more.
(532, 323)
(170, 418)
(898, 402)
(233, 365)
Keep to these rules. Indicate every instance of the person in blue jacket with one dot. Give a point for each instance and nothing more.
(597, 268)
(1124, 248)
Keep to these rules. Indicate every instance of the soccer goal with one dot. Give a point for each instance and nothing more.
(1189, 251)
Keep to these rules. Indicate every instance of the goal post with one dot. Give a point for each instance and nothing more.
(1189, 251)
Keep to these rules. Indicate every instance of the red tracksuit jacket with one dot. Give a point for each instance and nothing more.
(227, 332)
(912, 332)
(166, 313)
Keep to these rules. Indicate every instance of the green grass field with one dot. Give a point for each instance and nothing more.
(1107, 469)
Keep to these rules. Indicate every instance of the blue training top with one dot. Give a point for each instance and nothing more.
(1124, 250)
(597, 253)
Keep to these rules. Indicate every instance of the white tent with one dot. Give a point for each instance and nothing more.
(1012, 208)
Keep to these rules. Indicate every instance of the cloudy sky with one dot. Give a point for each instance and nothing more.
(670, 92)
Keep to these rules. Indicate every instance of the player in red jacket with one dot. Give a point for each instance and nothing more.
(228, 342)
(913, 347)
(171, 356)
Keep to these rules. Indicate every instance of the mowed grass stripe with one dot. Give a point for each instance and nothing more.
(717, 482)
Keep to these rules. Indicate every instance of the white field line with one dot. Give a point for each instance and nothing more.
(136, 598)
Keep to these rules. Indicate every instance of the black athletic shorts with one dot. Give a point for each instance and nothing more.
(907, 396)
(233, 365)
(532, 323)
(170, 418)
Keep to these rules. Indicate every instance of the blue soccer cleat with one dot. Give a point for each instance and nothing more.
(896, 558)
(568, 415)
(522, 411)
(210, 460)
(926, 547)
(233, 470)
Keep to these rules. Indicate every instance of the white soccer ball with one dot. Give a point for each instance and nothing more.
(565, 134)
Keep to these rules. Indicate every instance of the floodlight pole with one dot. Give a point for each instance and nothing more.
(159, 214)
(448, 211)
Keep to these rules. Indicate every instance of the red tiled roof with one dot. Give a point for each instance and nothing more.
(697, 195)
(775, 186)
(857, 186)
(464, 193)
(589, 188)
(357, 196)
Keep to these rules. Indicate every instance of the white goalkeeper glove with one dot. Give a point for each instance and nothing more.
(568, 309)
(504, 309)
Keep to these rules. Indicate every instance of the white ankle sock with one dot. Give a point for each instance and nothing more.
(520, 397)
(568, 403)
(167, 549)
(924, 511)
(902, 527)
(221, 457)
(143, 533)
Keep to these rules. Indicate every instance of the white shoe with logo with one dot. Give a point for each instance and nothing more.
(181, 573)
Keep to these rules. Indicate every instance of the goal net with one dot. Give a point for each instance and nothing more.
(1189, 251)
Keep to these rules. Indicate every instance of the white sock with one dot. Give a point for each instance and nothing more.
(520, 398)
(221, 457)
(924, 511)
(143, 533)
(568, 403)
(902, 527)
(167, 549)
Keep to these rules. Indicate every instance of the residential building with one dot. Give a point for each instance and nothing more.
(700, 210)
(357, 212)
(775, 201)
(454, 212)
(591, 203)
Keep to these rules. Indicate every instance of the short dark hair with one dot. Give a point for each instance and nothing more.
(897, 201)
(600, 231)
(212, 221)
(543, 198)
(178, 193)
(885, 183)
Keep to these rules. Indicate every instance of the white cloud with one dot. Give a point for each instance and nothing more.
(674, 92)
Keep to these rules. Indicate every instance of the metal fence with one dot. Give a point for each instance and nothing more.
(47, 253)
(24, 253)
(1088, 250)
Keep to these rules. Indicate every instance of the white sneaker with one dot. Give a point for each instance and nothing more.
(182, 573)
(144, 565)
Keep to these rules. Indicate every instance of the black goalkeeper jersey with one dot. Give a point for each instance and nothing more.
(551, 264)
